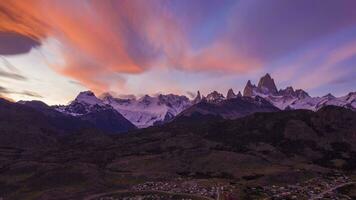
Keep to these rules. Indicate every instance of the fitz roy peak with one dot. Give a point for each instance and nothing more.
(266, 85)
(289, 98)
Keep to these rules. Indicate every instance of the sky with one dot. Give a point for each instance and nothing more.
(52, 50)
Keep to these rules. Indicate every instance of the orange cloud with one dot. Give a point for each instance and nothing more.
(222, 57)
(102, 38)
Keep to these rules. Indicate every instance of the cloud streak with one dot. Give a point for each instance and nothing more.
(99, 38)
(12, 72)
(5, 92)
(10, 75)
(102, 41)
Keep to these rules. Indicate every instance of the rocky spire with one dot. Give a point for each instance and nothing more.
(249, 88)
(198, 98)
(266, 85)
(239, 94)
(230, 94)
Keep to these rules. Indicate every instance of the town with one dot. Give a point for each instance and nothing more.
(324, 187)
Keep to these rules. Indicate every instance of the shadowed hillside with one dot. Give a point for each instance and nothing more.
(259, 149)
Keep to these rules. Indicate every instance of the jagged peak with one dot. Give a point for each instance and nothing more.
(288, 91)
(267, 85)
(198, 94)
(87, 97)
(248, 90)
(239, 94)
(231, 94)
(267, 75)
(197, 98)
(301, 93)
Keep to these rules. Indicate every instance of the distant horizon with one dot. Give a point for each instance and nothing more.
(190, 96)
(50, 51)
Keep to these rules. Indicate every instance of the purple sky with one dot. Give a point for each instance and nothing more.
(179, 46)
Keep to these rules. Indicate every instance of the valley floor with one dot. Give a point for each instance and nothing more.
(330, 186)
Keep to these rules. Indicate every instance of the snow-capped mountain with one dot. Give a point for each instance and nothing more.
(289, 98)
(153, 110)
(86, 106)
(86, 102)
(147, 110)
(142, 112)
(315, 103)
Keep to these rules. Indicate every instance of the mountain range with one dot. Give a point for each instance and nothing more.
(244, 142)
(118, 115)
(155, 110)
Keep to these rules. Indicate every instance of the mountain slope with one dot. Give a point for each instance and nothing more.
(89, 108)
(60, 121)
(318, 137)
(261, 149)
(108, 121)
(230, 108)
(147, 111)
(24, 127)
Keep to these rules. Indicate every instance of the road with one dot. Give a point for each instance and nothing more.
(320, 195)
(96, 196)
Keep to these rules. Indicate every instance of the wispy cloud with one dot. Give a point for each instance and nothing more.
(10, 75)
(4, 92)
(12, 72)
(102, 41)
(31, 94)
(99, 38)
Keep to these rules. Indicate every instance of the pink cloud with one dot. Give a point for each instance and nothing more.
(100, 38)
